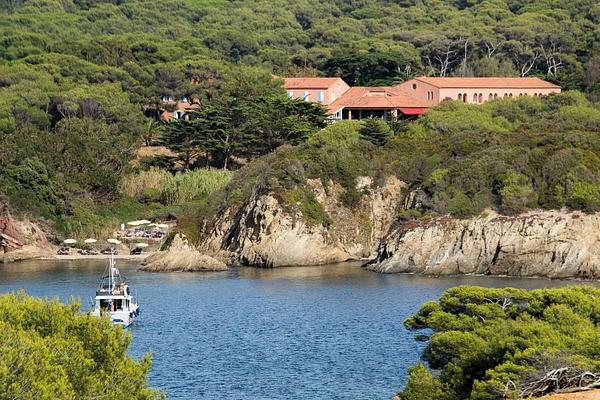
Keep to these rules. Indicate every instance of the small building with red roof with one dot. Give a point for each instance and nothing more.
(376, 102)
(315, 90)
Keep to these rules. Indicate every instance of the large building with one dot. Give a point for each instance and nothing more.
(475, 90)
(411, 98)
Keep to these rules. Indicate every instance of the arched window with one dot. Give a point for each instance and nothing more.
(460, 96)
(510, 95)
(480, 97)
(535, 95)
(491, 96)
(495, 95)
(505, 94)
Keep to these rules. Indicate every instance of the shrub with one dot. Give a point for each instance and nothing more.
(190, 185)
(312, 211)
(159, 185)
(51, 351)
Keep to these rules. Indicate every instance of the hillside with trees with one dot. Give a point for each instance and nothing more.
(80, 82)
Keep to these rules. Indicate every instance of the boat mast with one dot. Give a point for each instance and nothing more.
(110, 273)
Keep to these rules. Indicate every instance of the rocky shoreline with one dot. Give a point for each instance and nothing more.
(552, 244)
(263, 232)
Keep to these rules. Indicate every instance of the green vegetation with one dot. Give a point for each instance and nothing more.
(507, 155)
(51, 351)
(82, 82)
(156, 185)
(506, 343)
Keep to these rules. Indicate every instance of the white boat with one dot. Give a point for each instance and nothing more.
(114, 297)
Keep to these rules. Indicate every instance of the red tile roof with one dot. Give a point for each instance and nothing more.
(488, 82)
(381, 98)
(309, 83)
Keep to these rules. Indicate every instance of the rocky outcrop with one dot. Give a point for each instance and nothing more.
(20, 239)
(180, 257)
(266, 232)
(554, 244)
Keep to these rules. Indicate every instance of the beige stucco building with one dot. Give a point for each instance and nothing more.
(475, 90)
(315, 90)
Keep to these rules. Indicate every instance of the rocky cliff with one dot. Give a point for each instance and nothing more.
(554, 244)
(267, 232)
(20, 239)
(181, 257)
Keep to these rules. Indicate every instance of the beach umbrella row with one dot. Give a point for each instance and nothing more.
(139, 222)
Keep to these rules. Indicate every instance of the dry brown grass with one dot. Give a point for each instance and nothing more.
(589, 395)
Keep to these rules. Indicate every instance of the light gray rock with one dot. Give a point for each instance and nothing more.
(554, 244)
(266, 233)
(181, 257)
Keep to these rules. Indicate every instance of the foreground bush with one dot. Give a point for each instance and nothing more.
(507, 343)
(51, 351)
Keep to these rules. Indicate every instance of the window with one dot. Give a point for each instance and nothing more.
(495, 95)
(480, 97)
(491, 96)
(474, 97)
(510, 95)
(320, 96)
(464, 97)
(414, 86)
(290, 94)
(305, 96)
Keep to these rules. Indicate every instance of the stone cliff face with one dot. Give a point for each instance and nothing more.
(551, 244)
(181, 257)
(20, 239)
(265, 232)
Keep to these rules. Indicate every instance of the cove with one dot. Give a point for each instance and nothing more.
(318, 332)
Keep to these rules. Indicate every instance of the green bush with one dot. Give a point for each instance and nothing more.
(489, 343)
(51, 351)
(30, 188)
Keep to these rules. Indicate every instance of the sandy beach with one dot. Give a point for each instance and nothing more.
(97, 257)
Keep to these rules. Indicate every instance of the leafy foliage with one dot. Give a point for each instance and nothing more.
(493, 343)
(50, 351)
(508, 155)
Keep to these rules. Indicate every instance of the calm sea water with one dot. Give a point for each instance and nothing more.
(303, 332)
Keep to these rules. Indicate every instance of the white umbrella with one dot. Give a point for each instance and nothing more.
(90, 241)
(144, 221)
(69, 241)
(134, 223)
(141, 245)
(113, 241)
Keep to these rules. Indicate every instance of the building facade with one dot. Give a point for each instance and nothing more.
(315, 90)
(475, 90)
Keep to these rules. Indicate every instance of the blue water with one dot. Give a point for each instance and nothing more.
(307, 332)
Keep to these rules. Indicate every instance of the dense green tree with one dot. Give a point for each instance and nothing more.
(51, 351)
(506, 343)
(376, 131)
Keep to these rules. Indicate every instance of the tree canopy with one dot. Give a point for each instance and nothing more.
(51, 351)
(506, 343)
